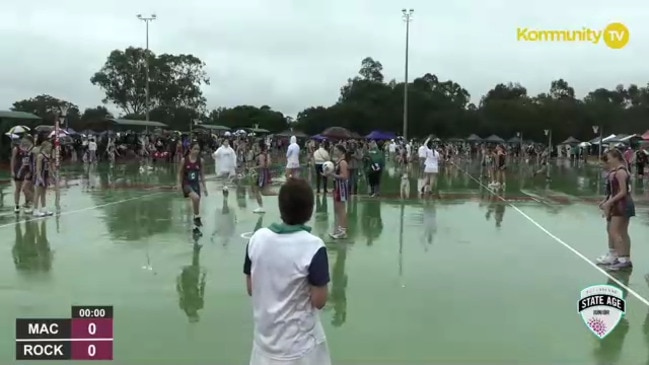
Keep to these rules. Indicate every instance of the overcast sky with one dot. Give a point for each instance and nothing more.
(291, 54)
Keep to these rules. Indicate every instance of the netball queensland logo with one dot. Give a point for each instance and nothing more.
(602, 307)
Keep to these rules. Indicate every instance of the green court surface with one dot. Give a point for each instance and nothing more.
(470, 278)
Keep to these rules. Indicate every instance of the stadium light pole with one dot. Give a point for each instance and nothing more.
(548, 133)
(407, 17)
(601, 131)
(147, 20)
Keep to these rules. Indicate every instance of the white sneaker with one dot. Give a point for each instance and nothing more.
(17, 209)
(259, 210)
(607, 259)
(28, 210)
(338, 234)
(38, 213)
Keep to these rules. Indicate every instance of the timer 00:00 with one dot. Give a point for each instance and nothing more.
(95, 313)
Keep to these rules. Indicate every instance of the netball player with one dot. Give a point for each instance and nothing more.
(190, 180)
(22, 163)
(501, 166)
(610, 257)
(41, 179)
(341, 191)
(620, 208)
(262, 180)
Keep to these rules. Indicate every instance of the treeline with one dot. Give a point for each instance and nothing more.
(366, 102)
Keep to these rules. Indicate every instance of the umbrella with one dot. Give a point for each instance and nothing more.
(290, 133)
(18, 129)
(318, 137)
(44, 128)
(62, 133)
(379, 135)
(336, 133)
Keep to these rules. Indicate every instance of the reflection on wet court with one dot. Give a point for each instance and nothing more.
(468, 277)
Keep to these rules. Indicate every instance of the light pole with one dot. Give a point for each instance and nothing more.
(548, 133)
(601, 131)
(147, 20)
(401, 216)
(407, 17)
(192, 125)
(63, 113)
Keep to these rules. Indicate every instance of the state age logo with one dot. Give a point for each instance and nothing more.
(602, 307)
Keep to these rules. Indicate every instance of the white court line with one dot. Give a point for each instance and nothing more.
(560, 241)
(85, 209)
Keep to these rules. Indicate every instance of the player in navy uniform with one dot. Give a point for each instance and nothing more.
(190, 181)
(42, 179)
(22, 170)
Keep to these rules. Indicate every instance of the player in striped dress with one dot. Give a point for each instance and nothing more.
(22, 171)
(341, 192)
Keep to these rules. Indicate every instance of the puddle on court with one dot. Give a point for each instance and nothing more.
(416, 281)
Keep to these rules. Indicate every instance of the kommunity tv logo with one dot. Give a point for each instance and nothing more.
(614, 35)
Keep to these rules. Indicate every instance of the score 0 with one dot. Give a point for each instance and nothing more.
(92, 332)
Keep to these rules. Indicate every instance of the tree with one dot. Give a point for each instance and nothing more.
(47, 107)
(247, 116)
(366, 102)
(444, 108)
(174, 81)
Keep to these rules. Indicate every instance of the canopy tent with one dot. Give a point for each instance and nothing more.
(474, 138)
(381, 136)
(605, 139)
(212, 127)
(514, 140)
(136, 123)
(290, 133)
(18, 116)
(455, 139)
(623, 138)
(258, 130)
(570, 140)
(645, 136)
(494, 139)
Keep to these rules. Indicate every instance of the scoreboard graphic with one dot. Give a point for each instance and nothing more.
(86, 335)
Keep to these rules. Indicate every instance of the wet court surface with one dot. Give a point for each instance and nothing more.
(468, 278)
